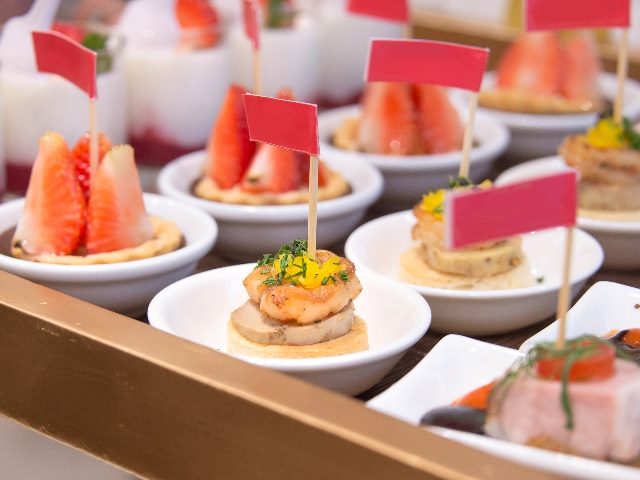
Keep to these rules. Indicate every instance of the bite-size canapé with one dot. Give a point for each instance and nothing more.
(299, 307)
(71, 219)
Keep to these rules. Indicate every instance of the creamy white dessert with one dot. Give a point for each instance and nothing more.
(344, 42)
(174, 90)
(173, 98)
(289, 58)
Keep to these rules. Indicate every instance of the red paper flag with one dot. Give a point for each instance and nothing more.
(559, 14)
(285, 123)
(481, 215)
(426, 61)
(393, 10)
(57, 53)
(251, 22)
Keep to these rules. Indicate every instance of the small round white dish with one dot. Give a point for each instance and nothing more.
(537, 135)
(619, 238)
(406, 178)
(125, 287)
(248, 231)
(378, 245)
(198, 309)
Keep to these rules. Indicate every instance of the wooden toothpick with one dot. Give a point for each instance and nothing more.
(313, 206)
(257, 72)
(565, 289)
(467, 141)
(623, 60)
(93, 141)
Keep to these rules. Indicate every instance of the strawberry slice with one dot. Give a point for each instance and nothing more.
(71, 30)
(80, 157)
(274, 169)
(388, 124)
(116, 217)
(580, 68)
(532, 63)
(230, 149)
(54, 212)
(199, 21)
(440, 124)
(285, 93)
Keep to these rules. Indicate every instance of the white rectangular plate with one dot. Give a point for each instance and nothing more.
(606, 306)
(459, 364)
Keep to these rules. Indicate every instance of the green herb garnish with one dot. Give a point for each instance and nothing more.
(457, 182)
(279, 14)
(292, 265)
(630, 135)
(98, 43)
(286, 255)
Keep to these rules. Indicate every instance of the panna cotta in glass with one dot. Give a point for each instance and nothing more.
(177, 68)
(344, 43)
(289, 52)
(36, 102)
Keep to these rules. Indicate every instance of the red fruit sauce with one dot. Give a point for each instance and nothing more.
(152, 149)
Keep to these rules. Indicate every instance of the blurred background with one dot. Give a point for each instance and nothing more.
(486, 22)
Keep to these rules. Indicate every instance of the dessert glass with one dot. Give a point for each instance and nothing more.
(344, 43)
(173, 96)
(289, 59)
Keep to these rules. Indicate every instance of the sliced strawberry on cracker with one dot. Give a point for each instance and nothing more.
(54, 212)
(440, 124)
(199, 22)
(388, 123)
(580, 68)
(80, 157)
(274, 169)
(532, 63)
(230, 149)
(116, 216)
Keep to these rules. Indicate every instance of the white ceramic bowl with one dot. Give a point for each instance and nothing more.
(377, 246)
(537, 135)
(457, 365)
(606, 306)
(619, 238)
(407, 178)
(198, 309)
(246, 231)
(125, 287)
